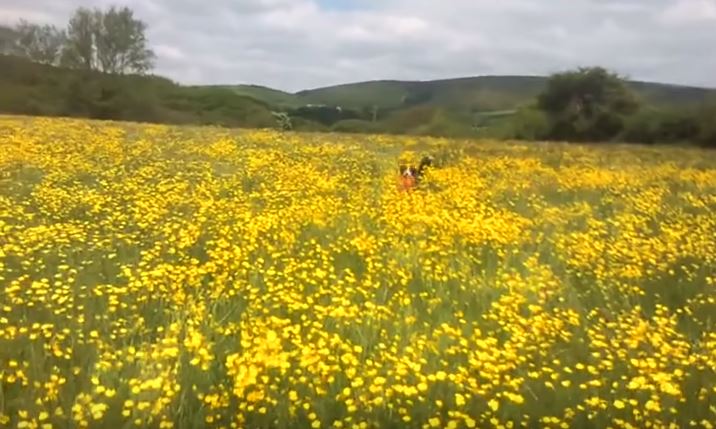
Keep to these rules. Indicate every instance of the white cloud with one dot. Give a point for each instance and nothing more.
(169, 52)
(690, 11)
(296, 44)
(406, 26)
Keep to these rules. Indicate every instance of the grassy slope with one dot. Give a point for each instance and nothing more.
(273, 97)
(452, 107)
(384, 94)
(485, 93)
(663, 94)
(28, 88)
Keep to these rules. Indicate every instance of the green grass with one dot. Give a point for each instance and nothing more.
(383, 94)
(273, 97)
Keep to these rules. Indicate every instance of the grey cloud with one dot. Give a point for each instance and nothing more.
(296, 44)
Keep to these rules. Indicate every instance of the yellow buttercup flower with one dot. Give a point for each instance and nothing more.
(252, 278)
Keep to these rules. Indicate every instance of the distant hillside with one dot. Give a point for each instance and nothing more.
(659, 94)
(476, 94)
(473, 106)
(273, 97)
(464, 106)
(487, 106)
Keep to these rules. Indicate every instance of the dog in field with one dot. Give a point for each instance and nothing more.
(410, 176)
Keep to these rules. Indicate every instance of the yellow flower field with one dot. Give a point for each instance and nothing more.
(157, 276)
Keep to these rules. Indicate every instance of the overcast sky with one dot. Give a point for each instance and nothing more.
(299, 44)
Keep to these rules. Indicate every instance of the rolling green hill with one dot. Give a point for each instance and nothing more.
(477, 94)
(489, 106)
(273, 97)
(452, 107)
(384, 94)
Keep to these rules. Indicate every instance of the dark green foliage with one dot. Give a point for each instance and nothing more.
(326, 115)
(428, 120)
(219, 106)
(693, 125)
(34, 89)
(405, 120)
(707, 125)
(106, 97)
(585, 91)
(418, 96)
(301, 124)
(590, 104)
(643, 127)
(668, 126)
(356, 126)
(530, 124)
(498, 124)
(448, 123)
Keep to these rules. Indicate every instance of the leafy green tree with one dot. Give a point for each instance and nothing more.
(79, 49)
(111, 41)
(587, 104)
(39, 43)
(121, 42)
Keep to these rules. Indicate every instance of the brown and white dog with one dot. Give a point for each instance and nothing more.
(410, 176)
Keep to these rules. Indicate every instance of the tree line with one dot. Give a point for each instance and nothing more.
(110, 41)
(595, 105)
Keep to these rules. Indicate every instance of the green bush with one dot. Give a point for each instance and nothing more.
(530, 124)
(661, 126)
(305, 125)
(406, 121)
(29, 88)
(707, 125)
(356, 126)
(446, 123)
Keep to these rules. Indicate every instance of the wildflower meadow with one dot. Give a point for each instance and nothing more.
(183, 277)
